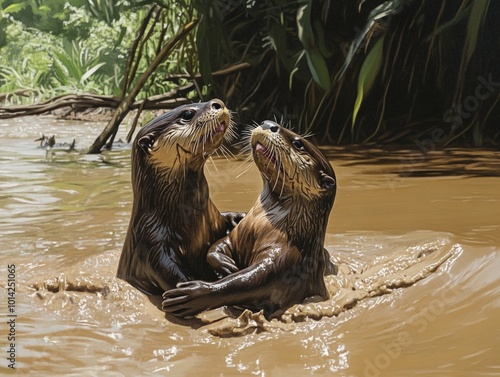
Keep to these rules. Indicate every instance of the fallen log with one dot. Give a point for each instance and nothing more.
(69, 100)
(168, 100)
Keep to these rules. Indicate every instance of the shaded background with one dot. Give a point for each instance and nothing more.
(399, 71)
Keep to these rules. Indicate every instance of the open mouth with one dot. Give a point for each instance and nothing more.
(264, 151)
(221, 127)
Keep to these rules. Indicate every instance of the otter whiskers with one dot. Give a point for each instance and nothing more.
(248, 162)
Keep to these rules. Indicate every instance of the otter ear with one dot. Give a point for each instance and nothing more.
(146, 142)
(327, 182)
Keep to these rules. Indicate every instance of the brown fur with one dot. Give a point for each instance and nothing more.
(173, 220)
(275, 257)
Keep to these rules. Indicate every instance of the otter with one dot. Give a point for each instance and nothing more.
(173, 221)
(274, 257)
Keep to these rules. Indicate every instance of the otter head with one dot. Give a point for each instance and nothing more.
(291, 165)
(184, 137)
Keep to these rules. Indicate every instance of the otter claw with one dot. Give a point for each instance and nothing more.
(233, 218)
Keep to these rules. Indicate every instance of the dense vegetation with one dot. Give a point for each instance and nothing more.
(347, 71)
(52, 47)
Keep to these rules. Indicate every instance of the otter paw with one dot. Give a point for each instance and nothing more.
(233, 218)
(188, 299)
(222, 264)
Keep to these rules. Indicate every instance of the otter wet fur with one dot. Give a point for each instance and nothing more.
(274, 258)
(173, 221)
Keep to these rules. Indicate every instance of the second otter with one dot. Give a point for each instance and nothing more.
(275, 257)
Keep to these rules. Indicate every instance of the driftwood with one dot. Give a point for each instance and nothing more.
(87, 101)
(70, 100)
(168, 100)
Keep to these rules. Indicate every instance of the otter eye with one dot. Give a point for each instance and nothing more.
(188, 114)
(298, 144)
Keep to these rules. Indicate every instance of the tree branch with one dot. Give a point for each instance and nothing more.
(124, 106)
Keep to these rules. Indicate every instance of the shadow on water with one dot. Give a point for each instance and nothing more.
(408, 162)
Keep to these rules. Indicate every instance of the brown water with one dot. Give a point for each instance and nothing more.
(417, 292)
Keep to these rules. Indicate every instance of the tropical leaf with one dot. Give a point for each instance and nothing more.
(478, 11)
(44, 9)
(315, 59)
(318, 68)
(14, 8)
(68, 63)
(59, 72)
(90, 72)
(455, 20)
(325, 49)
(305, 33)
(290, 78)
(386, 9)
(367, 75)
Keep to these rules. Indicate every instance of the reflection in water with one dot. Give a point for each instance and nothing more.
(417, 291)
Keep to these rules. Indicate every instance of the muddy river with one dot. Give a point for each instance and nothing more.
(416, 237)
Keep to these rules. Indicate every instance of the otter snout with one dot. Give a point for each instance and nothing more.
(269, 125)
(216, 104)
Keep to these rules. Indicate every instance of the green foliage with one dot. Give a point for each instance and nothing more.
(74, 65)
(88, 51)
(105, 10)
(384, 67)
(379, 13)
(368, 74)
(350, 71)
(478, 12)
(315, 59)
(66, 63)
(45, 15)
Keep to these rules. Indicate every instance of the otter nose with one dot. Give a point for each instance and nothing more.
(216, 104)
(271, 126)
